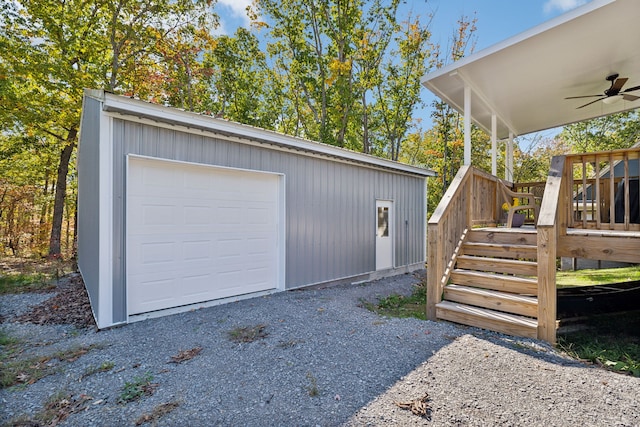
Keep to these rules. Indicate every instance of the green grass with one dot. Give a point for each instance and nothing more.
(24, 282)
(402, 306)
(312, 388)
(136, 389)
(16, 371)
(604, 276)
(7, 340)
(18, 275)
(92, 369)
(247, 334)
(610, 340)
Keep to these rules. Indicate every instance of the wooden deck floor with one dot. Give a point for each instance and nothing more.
(530, 229)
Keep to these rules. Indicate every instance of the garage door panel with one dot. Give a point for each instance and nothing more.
(157, 253)
(197, 215)
(205, 233)
(197, 250)
(153, 293)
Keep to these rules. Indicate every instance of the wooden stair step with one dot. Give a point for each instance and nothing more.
(496, 282)
(501, 250)
(521, 237)
(498, 265)
(494, 300)
(511, 324)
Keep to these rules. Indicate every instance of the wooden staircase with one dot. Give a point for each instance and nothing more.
(494, 282)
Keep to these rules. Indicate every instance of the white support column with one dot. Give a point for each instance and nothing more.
(467, 124)
(494, 145)
(508, 170)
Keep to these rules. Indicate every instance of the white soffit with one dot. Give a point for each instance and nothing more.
(524, 80)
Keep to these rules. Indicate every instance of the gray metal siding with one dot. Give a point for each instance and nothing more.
(88, 198)
(330, 206)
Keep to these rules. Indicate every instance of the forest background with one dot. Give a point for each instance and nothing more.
(345, 73)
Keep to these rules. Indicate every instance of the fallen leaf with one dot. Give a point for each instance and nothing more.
(185, 355)
(418, 407)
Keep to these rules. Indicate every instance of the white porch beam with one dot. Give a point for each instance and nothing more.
(508, 170)
(467, 124)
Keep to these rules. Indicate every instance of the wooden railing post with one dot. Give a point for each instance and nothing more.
(548, 229)
(435, 268)
(547, 246)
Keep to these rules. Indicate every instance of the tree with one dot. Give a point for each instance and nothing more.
(240, 81)
(352, 71)
(51, 50)
(444, 142)
(619, 130)
(398, 93)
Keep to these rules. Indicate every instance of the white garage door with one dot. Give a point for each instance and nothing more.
(197, 233)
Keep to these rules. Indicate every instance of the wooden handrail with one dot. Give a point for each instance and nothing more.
(470, 199)
(444, 222)
(452, 192)
(616, 155)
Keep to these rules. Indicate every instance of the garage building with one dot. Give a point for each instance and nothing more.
(178, 210)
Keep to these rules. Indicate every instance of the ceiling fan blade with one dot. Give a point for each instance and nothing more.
(631, 89)
(617, 85)
(583, 96)
(589, 103)
(630, 97)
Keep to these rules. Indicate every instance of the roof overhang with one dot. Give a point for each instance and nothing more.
(525, 79)
(128, 107)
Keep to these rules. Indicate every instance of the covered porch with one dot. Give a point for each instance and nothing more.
(552, 75)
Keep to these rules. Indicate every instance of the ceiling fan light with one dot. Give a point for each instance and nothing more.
(612, 99)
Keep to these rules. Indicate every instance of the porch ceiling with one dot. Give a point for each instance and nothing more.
(525, 79)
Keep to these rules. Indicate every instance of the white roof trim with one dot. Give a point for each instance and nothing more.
(533, 81)
(161, 113)
(541, 28)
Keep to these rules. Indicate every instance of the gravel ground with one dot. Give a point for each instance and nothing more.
(324, 361)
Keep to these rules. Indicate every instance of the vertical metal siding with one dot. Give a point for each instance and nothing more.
(88, 198)
(330, 206)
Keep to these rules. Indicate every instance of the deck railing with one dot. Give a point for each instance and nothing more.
(594, 191)
(604, 190)
(469, 200)
(583, 193)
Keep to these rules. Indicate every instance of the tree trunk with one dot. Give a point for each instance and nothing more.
(366, 147)
(61, 190)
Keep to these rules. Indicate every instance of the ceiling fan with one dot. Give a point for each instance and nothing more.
(613, 94)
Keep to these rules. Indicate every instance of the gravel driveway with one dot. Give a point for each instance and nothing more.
(321, 359)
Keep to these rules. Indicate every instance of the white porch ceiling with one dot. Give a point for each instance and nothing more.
(525, 79)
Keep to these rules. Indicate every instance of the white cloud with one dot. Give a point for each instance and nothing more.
(237, 9)
(562, 5)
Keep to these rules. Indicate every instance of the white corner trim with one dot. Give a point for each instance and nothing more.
(105, 223)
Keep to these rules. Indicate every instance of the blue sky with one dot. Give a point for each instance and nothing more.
(497, 20)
